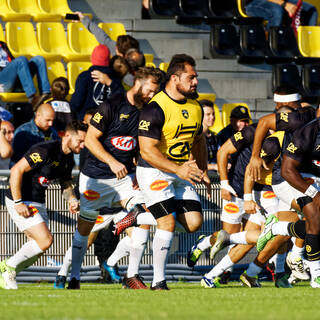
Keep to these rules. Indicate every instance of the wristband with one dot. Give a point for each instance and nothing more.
(224, 184)
(247, 197)
(17, 201)
(311, 191)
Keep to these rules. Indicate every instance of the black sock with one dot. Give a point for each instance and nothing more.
(297, 229)
(313, 247)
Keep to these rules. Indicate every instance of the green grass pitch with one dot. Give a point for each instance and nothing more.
(183, 301)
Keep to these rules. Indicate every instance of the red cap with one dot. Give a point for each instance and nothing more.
(100, 56)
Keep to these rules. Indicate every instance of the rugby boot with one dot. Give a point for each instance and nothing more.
(8, 276)
(315, 282)
(161, 285)
(60, 282)
(266, 234)
(297, 267)
(115, 277)
(210, 283)
(134, 282)
(195, 253)
(221, 240)
(74, 284)
(225, 277)
(250, 282)
(282, 280)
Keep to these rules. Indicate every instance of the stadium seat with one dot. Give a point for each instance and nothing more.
(73, 70)
(253, 44)
(226, 111)
(2, 38)
(286, 74)
(311, 80)
(309, 41)
(7, 13)
(148, 57)
(113, 30)
(163, 8)
(164, 66)
(316, 3)
(21, 39)
(81, 41)
(243, 17)
(224, 8)
(195, 9)
(224, 40)
(13, 97)
(150, 64)
(55, 69)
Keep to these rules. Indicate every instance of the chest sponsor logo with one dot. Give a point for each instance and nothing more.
(47, 138)
(144, 125)
(97, 117)
(291, 148)
(284, 116)
(231, 208)
(43, 181)
(91, 195)
(159, 185)
(124, 143)
(55, 163)
(316, 162)
(268, 195)
(309, 180)
(124, 116)
(185, 114)
(238, 136)
(33, 210)
(99, 220)
(35, 157)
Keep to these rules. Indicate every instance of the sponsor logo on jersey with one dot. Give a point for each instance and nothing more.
(124, 116)
(47, 138)
(124, 143)
(316, 162)
(43, 181)
(99, 220)
(238, 136)
(35, 157)
(185, 114)
(159, 185)
(268, 195)
(144, 125)
(33, 210)
(291, 148)
(97, 117)
(284, 116)
(231, 208)
(91, 195)
(309, 180)
(308, 248)
(55, 163)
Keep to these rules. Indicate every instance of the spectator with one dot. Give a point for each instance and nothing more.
(59, 91)
(274, 10)
(14, 69)
(6, 132)
(30, 133)
(120, 66)
(211, 138)
(89, 91)
(239, 118)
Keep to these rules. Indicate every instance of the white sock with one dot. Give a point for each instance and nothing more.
(223, 265)
(253, 270)
(122, 250)
(280, 261)
(280, 228)
(120, 215)
(204, 244)
(161, 246)
(67, 260)
(27, 251)
(297, 251)
(238, 238)
(139, 238)
(79, 248)
(314, 268)
(146, 218)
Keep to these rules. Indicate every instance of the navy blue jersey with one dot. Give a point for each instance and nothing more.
(48, 162)
(212, 147)
(118, 121)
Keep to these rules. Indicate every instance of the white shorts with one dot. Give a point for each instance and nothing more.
(267, 200)
(102, 222)
(39, 214)
(98, 193)
(158, 186)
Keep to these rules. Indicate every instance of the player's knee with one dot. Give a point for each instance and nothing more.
(194, 224)
(46, 242)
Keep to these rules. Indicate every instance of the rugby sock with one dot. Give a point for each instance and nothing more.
(146, 218)
(79, 248)
(297, 251)
(29, 250)
(139, 239)
(238, 238)
(122, 250)
(280, 261)
(314, 268)
(204, 243)
(161, 246)
(253, 270)
(223, 265)
(280, 228)
(297, 229)
(313, 254)
(67, 260)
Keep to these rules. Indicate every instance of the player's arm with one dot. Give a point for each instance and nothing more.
(250, 205)
(69, 195)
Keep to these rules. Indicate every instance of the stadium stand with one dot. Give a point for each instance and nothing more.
(113, 30)
(74, 69)
(2, 38)
(11, 12)
(164, 8)
(226, 111)
(286, 74)
(311, 79)
(309, 41)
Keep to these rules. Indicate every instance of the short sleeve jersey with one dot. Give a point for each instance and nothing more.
(48, 163)
(118, 121)
(212, 147)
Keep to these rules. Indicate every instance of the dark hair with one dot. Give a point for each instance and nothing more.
(146, 72)
(126, 42)
(119, 65)
(284, 108)
(206, 103)
(76, 125)
(285, 89)
(60, 88)
(135, 64)
(178, 62)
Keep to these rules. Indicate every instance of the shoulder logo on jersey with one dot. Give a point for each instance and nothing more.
(185, 113)
(43, 181)
(144, 125)
(97, 117)
(35, 157)
(231, 208)
(159, 185)
(284, 116)
(99, 220)
(124, 143)
(238, 136)
(91, 195)
(262, 153)
(33, 210)
(291, 148)
(268, 195)
(124, 116)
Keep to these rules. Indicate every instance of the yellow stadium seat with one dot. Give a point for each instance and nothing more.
(53, 41)
(10, 12)
(2, 38)
(150, 64)
(81, 41)
(21, 39)
(148, 57)
(73, 70)
(241, 9)
(55, 69)
(309, 41)
(113, 30)
(164, 66)
(226, 111)
(13, 97)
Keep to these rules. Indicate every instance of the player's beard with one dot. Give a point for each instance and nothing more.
(187, 94)
(140, 99)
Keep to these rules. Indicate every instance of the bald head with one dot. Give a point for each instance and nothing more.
(8, 130)
(44, 117)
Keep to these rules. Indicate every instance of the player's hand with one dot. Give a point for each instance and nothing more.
(254, 168)
(81, 16)
(73, 206)
(226, 195)
(22, 210)
(189, 171)
(227, 191)
(250, 207)
(118, 169)
(207, 182)
(290, 8)
(98, 76)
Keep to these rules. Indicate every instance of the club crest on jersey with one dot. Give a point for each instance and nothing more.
(97, 117)
(231, 208)
(291, 148)
(159, 185)
(43, 181)
(268, 195)
(284, 116)
(144, 125)
(91, 195)
(124, 143)
(33, 210)
(238, 136)
(35, 157)
(124, 116)
(99, 220)
(185, 114)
